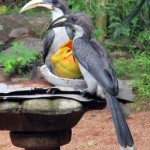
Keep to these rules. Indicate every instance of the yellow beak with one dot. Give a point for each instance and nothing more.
(34, 4)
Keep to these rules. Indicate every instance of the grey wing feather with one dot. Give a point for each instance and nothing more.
(47, 43)
(107, 63)
(93, 63)
(70, 33)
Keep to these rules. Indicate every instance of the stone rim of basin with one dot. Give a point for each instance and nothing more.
(58, 106)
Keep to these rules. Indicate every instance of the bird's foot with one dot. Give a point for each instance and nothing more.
(85, 93)
(82, 91)
(52, 91)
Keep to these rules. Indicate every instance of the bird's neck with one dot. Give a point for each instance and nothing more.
(84, 36)
(60, 31)
(80, 33)
(56, 13)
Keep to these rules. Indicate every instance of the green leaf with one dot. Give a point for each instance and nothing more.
(19, 59)
(114, 24)
(1, 43)
(128, 18)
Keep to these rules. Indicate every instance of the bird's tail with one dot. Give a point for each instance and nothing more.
(122, 130)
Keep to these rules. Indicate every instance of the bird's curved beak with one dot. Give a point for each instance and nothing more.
(59, 22)
(36, 3)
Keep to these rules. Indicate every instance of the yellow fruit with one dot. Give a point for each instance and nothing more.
(65, 65)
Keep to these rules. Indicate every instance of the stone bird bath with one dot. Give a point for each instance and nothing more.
(40, 123)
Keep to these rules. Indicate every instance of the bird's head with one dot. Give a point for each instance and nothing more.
(58, 7)
(80, 22)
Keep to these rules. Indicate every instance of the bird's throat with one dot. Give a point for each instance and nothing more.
(61, 37)
(56, 13)
(80, 33)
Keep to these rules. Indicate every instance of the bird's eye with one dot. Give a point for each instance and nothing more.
(74, 19)
(55, 1)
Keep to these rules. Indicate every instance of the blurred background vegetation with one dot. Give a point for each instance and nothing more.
(125, 19)
(128, 21)
(121, 25)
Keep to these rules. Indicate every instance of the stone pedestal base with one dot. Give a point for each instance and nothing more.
(40, 140)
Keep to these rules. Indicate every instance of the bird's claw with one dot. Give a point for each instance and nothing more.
(52, 91)
(82, 91)
(85, 93)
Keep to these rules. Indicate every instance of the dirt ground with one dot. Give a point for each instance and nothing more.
(95, 131)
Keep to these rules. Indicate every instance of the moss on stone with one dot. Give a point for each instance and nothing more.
(54, 107)
(7, 106)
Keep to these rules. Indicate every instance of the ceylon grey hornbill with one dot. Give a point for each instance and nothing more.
(58, 36)
(97, 70)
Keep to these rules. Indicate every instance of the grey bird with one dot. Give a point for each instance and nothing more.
(55, 37)
(97, 70)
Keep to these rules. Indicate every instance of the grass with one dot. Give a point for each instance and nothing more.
(16, 10)
(29, 12)
(137, 68)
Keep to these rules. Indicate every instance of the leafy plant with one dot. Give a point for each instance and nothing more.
(144, 38)
(1, 43)
(20, 61)
(137, 69)
(132, 15)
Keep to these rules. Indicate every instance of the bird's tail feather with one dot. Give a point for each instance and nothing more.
(122, 130)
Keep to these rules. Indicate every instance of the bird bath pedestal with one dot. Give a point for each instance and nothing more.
(40, 121)
(40, 124)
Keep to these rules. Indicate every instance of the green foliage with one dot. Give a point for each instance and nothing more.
(126, 18)
(1, 43)
(20, 61)
(116, 12)
(87, 6)
(13, 11)
(129, 18)
(144, 38)
(137, 69)
(16, 10)
(3, 10)
(98, 32)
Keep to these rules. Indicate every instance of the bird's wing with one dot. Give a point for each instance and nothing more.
(89, 57)
(107, 63)
(70, 33)
(47, 43)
